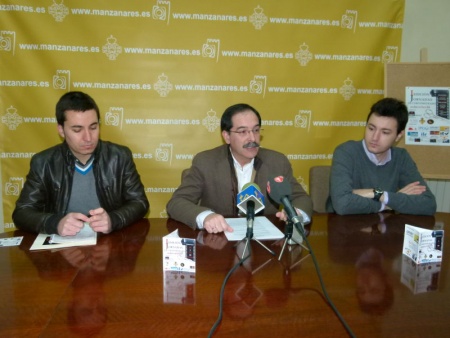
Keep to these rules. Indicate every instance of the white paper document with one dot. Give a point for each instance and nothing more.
(86, 236)
(262, 229)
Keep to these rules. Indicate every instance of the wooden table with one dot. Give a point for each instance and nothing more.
(118, 289)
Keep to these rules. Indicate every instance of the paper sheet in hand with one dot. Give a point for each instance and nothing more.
(262, 229)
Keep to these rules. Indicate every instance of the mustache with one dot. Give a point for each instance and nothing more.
(251, 145)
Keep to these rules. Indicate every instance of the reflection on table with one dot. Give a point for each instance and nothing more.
(118, 287)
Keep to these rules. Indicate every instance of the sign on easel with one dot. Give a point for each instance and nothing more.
(432, 158)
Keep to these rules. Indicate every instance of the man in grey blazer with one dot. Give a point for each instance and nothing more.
(208, 191)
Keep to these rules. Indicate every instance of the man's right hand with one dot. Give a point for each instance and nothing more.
(71, 224)
(215, 223)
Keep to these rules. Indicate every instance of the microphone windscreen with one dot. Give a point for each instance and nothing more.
(251, 184)
(250, 191)
(278, 187)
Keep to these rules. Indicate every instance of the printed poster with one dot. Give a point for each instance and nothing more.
(429, 120)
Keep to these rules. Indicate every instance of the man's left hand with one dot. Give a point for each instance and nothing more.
(100, 221)
(281, 215)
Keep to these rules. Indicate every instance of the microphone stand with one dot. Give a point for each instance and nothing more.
(288, 239)
(248, 238)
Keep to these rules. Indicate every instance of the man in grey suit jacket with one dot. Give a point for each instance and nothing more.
(207, 194)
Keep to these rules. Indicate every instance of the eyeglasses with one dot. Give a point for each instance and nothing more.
(246, 132)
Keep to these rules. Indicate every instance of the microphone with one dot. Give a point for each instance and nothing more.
(280, 190)
(250, 217)
(250, 200)
(250, 192)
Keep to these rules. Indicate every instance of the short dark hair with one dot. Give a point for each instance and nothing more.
(77, 101)
(226, 123)
(390, 107)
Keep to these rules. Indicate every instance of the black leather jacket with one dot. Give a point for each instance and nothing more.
(45, 196)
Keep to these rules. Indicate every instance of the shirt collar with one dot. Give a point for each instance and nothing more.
(373, 158)
(243, 173)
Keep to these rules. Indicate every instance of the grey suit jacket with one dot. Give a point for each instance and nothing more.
(212, 182)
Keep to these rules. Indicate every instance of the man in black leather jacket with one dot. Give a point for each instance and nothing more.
(82, 180)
